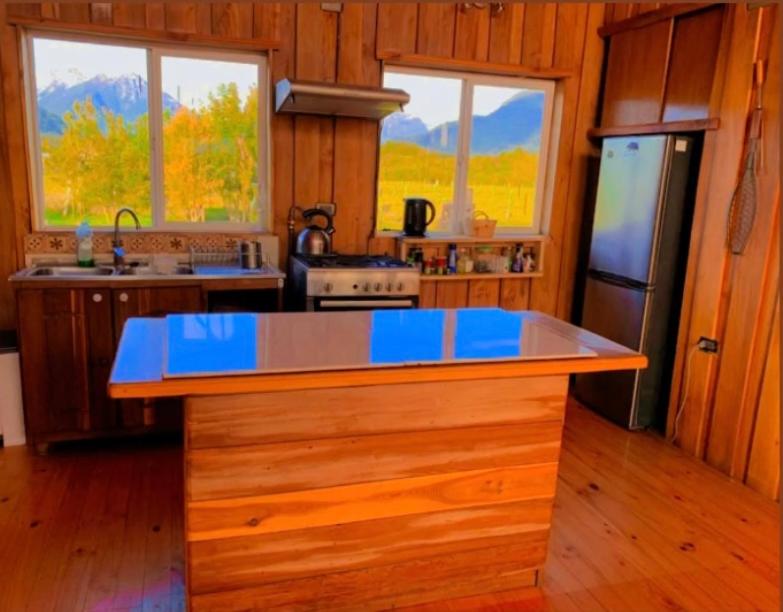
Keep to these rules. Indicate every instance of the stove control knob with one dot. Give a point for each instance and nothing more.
(328, 288)
(378, 286)
(366, 287)
(389, 286)
(400, 287)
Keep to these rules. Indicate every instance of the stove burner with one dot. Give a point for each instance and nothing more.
(351, 261)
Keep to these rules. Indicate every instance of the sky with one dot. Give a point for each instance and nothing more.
(435, 100)
(71, 62)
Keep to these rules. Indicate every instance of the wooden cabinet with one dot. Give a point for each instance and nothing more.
(152, 302)
(68, 338)
(53, 338)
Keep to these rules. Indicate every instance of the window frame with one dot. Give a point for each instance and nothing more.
(548, 152)
(154, 52)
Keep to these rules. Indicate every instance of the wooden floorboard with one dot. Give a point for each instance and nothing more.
(638, 525)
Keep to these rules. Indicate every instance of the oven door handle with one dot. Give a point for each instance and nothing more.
(366, 304)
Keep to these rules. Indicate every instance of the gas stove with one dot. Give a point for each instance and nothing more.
(353, 282)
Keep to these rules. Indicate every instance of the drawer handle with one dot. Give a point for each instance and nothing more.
(123, 297)
(97, 298)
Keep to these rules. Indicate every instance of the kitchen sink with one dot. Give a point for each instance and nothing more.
(67, 271)
(132, 270)
(150, 271)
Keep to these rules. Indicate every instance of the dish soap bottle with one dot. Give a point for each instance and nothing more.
(84, 245)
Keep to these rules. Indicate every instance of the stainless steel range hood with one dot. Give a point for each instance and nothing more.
(311, 98)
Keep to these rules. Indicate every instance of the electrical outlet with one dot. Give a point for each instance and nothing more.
(707, 345)
(330, 208)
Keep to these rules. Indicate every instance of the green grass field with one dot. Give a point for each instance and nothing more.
(97, 219)
(503, 185)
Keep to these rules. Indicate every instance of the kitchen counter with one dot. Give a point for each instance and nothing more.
(208, 277)
(363, 459)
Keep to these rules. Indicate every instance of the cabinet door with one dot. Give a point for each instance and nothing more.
(153, 302)
(104, 411)
(150, 302)
(53, 345)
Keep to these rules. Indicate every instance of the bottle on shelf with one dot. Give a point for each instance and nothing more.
(451, 266)
(529, 261)
(518, 264)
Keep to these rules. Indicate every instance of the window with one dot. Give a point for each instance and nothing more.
(469, 144)
(177, 135)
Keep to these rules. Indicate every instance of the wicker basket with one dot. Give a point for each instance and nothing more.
(482, 226)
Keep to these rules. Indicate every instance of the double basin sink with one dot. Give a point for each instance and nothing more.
(103, 271)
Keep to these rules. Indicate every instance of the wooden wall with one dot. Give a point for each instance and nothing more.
(325, 159)
(732, 408)
(665, 65)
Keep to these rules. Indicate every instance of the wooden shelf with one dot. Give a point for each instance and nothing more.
(667, 127)
(472, 239)
(478, 276)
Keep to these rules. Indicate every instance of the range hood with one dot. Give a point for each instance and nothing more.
(311, 98)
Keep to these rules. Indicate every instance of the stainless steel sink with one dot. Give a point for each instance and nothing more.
(71, 271)
(149, 271)
(132, 270)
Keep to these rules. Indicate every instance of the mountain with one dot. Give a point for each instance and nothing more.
(515, 124)
(49, 122)
(402, 127)
(125, 96)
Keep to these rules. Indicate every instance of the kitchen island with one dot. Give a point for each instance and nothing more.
(363, 460)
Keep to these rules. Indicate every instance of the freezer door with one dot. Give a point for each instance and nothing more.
(627, 210)
(617, 313)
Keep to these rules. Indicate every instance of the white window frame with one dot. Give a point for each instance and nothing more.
(155, 53)
(547, 154)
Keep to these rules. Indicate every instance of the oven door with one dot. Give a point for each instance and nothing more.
(363, 303)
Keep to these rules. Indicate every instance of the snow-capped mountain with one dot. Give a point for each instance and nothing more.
(125, 95)
(517, 123)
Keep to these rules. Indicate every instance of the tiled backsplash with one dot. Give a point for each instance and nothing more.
(143, 243)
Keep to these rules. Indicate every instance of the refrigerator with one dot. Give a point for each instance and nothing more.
(636, 271)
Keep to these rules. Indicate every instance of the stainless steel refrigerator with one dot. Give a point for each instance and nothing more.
(636, 270)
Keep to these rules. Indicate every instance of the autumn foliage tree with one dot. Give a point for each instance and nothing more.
(210, 163)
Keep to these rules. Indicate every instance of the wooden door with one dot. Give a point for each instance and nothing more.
(99, 327)
(151, 302)
(53, 344)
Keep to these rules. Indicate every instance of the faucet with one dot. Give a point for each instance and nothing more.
(119, 252)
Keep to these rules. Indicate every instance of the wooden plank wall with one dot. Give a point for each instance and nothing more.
(672, 66)
(325, 159)
(731, 400)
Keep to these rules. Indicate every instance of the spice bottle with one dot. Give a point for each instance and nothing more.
(452, 261)
(518, 264)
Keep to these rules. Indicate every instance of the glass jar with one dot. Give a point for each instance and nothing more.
(484, 260)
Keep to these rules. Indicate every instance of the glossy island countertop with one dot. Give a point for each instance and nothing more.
(193, 353)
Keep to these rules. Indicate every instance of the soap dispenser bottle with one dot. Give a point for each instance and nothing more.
(84, 245)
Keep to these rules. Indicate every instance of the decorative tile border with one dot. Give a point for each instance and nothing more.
(61, 243)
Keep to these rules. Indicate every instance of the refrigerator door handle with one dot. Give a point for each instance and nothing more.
(620, 281)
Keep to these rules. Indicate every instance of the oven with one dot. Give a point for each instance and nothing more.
(346, 282)
(335, 303)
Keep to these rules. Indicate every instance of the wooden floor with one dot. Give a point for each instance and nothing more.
(637, 526)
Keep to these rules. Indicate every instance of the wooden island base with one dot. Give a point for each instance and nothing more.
(370, 497)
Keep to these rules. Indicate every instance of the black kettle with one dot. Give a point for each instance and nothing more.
(416, 217)
(315, 240)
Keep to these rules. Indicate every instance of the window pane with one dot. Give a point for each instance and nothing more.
(210, 140)
(94, 131)
(505, 144)
(418, 149)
